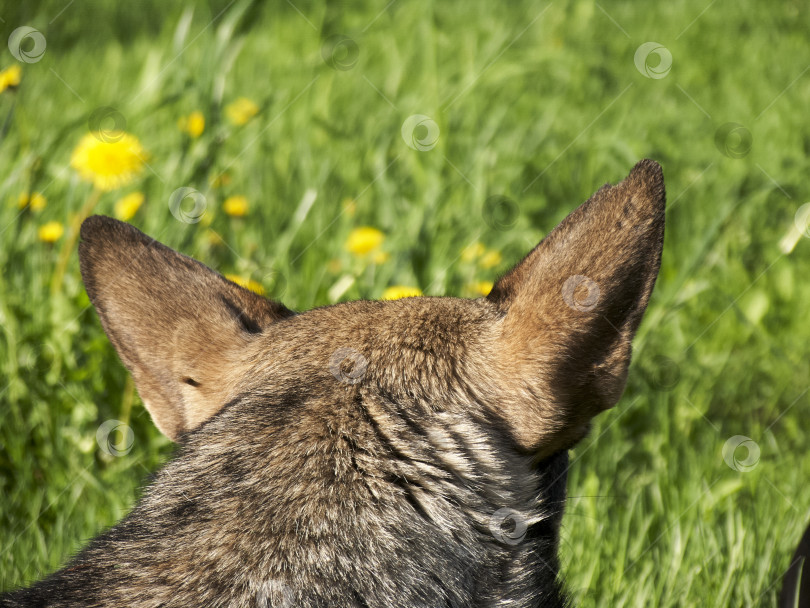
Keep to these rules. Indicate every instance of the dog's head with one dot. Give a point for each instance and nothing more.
(547, 350)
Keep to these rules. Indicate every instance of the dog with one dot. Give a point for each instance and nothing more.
(407, 453)
(795, 591)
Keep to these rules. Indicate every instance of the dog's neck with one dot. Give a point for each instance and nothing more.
(461, 472)
(371, 488)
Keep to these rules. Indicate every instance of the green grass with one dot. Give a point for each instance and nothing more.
(538, 103)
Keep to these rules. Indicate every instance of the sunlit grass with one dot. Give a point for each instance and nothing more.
(286, 149)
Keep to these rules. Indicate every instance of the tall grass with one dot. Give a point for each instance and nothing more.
(538, 104)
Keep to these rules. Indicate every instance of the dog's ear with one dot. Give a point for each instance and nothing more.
(571, 307)
(181, 329)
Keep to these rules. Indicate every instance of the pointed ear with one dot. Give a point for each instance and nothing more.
(179, 327)
(571, 307)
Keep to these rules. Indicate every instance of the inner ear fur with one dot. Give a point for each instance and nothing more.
(181, 329)
(572, 306)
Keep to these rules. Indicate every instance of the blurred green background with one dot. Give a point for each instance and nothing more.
(526, 108)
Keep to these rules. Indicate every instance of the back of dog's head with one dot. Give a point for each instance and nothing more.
(547, 350)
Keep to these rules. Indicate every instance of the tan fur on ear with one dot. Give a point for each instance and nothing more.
(181, 329)
(572, 306)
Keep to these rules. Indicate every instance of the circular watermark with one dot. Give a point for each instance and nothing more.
(802, 220)
(274, 594)
(348, 365)
(663, 373)
(733, 139)
(115, 438)
(500, 213)
(580, 293)
(731, 454)
(179, 207)
(508, 526)
(420, 132)
(27, 44)
(653, 60)
(340, 52)
(107, 124)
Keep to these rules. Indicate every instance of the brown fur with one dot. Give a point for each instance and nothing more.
(364, 454)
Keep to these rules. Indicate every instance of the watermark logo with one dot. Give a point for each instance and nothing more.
(178, 205)
(348, 366)
(500, 213)
(420, 132)
(340, 52)
(508, 526)
(107, 124)
(580, 293)
(653, 60)
(738, 446)
(27, 44)
(733, 140)
(115, 438)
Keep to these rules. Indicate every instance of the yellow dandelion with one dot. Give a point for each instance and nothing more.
(10, 78)
(490, 259)
(193, 124)
(481, 287)
(246, 283)
(235, 206)
(34, 201)
(126, 207)
(364, 240)
(241, 111)
(110, 160)
(472, 252)
(401, 291)
(51, 232)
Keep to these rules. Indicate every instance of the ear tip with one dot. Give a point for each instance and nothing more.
(98, 224)
(103, 232)
(101, 236)
(649, 166)
(649, 175)
(648, 170)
